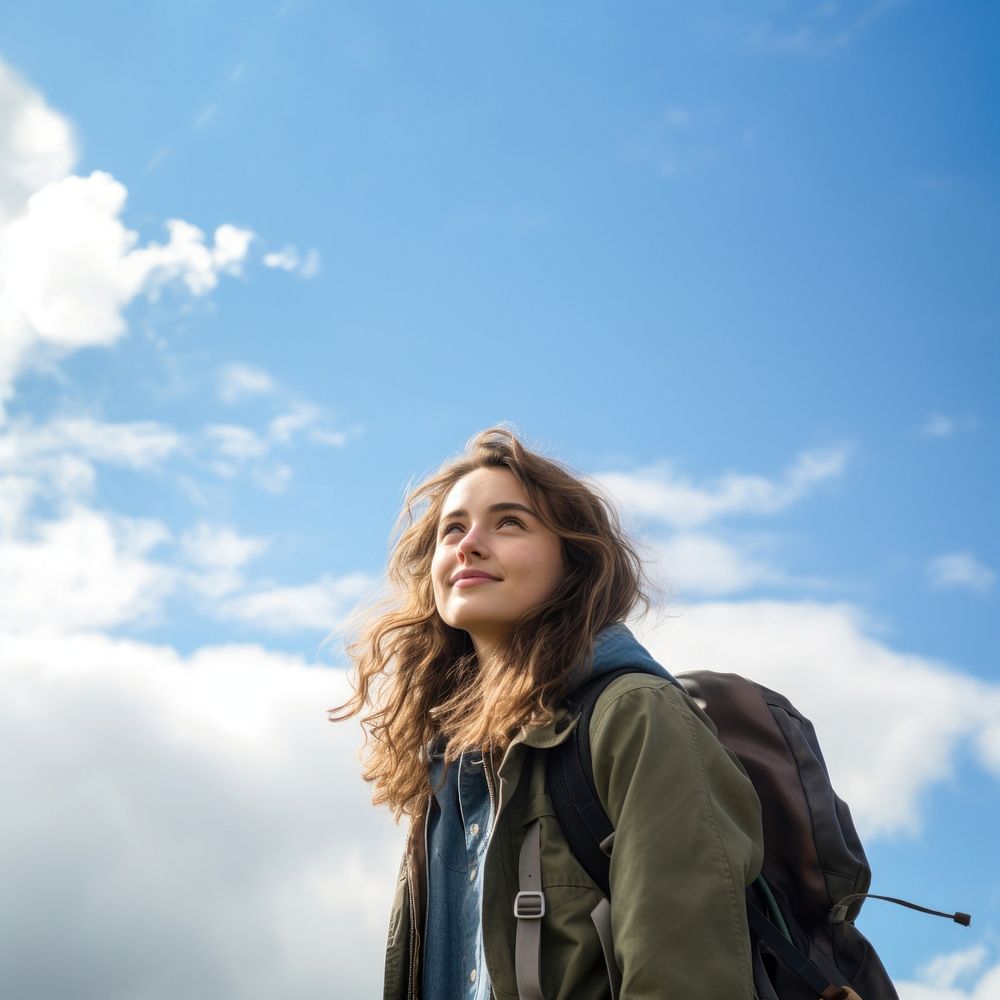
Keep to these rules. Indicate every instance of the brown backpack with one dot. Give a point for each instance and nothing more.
(815, 876)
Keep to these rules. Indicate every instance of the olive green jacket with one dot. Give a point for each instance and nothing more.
(688, 841)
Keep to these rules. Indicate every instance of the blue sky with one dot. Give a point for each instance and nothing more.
(736, 262)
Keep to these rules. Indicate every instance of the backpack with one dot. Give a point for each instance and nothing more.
(815, 876)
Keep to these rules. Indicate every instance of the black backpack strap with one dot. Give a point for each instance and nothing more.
(585, 824)
(570, 782)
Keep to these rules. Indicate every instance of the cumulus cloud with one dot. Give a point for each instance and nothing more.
(961, 570)
(659, 495)
(82, 570)
(945, 970)
(184, 826)
(955, 976)
(68, 264)
(37, 144)
(821, 656)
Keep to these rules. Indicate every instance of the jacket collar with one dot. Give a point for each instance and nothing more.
(614, 647)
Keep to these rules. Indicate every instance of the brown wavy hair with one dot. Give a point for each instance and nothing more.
(418, 679)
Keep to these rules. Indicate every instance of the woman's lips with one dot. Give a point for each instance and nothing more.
(469, 581)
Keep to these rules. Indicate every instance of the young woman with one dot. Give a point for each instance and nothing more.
(512, 584)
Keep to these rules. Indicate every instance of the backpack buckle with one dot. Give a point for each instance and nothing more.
(529, 905)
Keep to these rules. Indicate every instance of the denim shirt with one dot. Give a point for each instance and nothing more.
(454, 965)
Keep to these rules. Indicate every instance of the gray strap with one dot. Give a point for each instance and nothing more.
(601, 915)
(529, 908)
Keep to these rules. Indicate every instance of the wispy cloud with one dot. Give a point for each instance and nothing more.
(141, 444)
(818, 29)
(289, 259)
(941, 425)
(57, 460)
(238, 381)
(322, 605)
(219, 546)
(697, 564)
(659, 495)
(215, 555)
(236, 445)
(959, 570)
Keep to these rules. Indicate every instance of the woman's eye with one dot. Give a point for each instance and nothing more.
(447, 529)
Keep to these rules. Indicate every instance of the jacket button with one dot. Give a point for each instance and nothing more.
(474, 830)
(472, 976)
(473, 872)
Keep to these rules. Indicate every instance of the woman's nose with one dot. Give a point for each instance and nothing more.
(471, 541)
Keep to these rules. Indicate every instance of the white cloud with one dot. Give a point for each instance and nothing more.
(946, 970)
(220, 546)
(699, 564)
(68, 265)
(16, 495)
(82, 570)
(138, 444)
(235, 441)
(819, 29)
(310, 264)
(236, 445)
(658, 494)
(36, 144)
(217, 554)
(284, 426)
(56, 460)
(951, 977)
(959, 569)
(201, 812)
(322, 605)
(273, 478)
(288, 258)
(940, 425)
(238, 381)
(821, 656)
(334, 439)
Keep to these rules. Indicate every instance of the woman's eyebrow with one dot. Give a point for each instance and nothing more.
(492, 509)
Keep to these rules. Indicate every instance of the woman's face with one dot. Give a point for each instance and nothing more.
(488, 527)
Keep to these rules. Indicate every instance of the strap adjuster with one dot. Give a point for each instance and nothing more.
(529, 905)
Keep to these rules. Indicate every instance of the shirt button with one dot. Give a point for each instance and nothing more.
(473, 872)
(474, 830)
(472, 976)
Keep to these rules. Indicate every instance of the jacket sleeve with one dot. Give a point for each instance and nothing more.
(687, 842)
